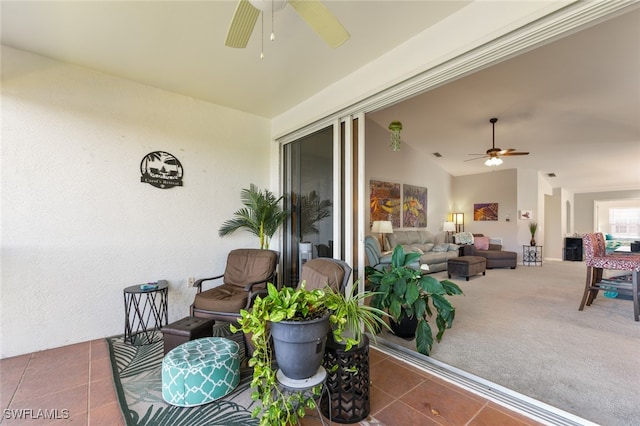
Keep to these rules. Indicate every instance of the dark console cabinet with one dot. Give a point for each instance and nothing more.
(573, 249)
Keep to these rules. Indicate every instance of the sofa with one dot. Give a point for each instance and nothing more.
(434, 251)
(493, 253)
(378, 259)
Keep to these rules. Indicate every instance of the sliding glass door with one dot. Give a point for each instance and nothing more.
(322, 175)
(308, 181)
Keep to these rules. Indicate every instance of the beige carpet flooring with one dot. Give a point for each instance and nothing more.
(521, 329)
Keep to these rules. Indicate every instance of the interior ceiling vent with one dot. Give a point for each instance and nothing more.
(551, 174)
(437, 154)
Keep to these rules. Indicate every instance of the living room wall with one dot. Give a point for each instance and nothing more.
(584, 206)
(78, 225)
(497, 186)
(406, 166)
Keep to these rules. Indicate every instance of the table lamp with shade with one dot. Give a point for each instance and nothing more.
(382, 227)
(449, 228)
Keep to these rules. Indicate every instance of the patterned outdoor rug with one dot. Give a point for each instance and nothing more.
(138, 382)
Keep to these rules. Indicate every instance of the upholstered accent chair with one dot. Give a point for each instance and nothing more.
(246, 275)
(597, 260)
(323, 271)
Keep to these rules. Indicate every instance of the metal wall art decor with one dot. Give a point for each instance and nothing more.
(161, 169)
(485, 211)
(385, 202)
(414, 206)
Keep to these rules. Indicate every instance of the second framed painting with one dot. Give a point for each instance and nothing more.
(414, 206)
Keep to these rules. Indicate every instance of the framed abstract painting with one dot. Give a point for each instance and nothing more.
(485, 211)
(385, 202)
(414, 206)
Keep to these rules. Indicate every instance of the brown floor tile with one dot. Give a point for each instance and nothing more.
(78, 378)
(14, 364)
(489, 416)
(8, 384)
(73, 402)
(400, 414)
(100, 369)
(99, 349)
(442, 404)
(101, 392)
(55, 360)
(393, 378)
(379, 399)
(520, 418)
(42, 382)
(376, 356)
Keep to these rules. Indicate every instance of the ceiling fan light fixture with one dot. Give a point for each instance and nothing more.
(493, 161)
(268, 5)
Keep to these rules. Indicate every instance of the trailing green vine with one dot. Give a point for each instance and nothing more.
(279, 407)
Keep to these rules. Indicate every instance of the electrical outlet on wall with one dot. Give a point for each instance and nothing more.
(191, 281)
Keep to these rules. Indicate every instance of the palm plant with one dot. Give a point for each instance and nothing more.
(261, 216)
(312, 211)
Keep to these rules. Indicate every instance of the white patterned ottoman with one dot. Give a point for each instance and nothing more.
(200, 371)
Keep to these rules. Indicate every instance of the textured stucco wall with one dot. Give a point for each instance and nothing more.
(78, 225)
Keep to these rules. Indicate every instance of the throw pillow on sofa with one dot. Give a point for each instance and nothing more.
(441, 248)
(463, 238)
(481, 243)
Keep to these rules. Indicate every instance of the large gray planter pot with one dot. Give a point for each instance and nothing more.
(299, 346)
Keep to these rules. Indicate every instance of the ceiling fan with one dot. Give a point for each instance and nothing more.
(493, 154)
(313, 12)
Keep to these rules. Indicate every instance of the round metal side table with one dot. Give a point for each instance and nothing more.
(145, 311)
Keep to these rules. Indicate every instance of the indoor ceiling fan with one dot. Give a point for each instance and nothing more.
(493, 154)
(313, 12)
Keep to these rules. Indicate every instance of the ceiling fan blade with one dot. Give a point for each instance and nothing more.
(511, 152)
(318, 17)
(477, 158)
(242, 24)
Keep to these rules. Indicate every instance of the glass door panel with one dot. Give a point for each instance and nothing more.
(308, 181)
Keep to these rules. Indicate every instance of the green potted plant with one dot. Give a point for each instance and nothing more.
(262, 215)
(312, 210)
(295, 308)
(353, 316)
(533, 227)
(407, 294)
